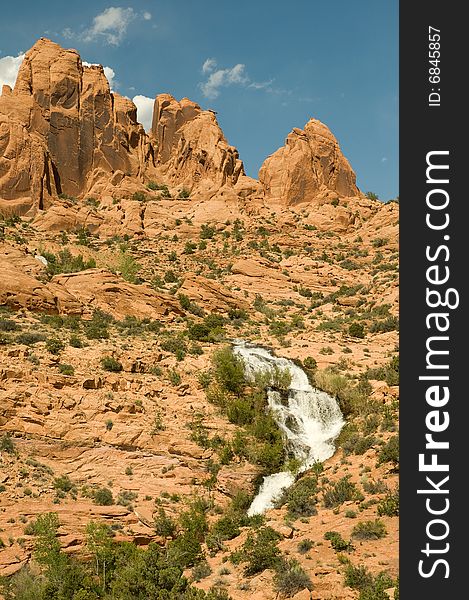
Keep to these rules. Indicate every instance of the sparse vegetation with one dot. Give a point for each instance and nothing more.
(369, 530)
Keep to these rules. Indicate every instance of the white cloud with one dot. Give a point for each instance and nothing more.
(109, 26)
(261, 85)
(209, 65)
(111, 76)
(144, 110)
(9, 67)
(237, 75)
(384, 159)
(223, 78)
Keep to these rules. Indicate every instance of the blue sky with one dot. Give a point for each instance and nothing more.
(265, 66)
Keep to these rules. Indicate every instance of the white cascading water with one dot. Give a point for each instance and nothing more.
(310, 421)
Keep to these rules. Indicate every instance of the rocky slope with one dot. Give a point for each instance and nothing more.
(127, 262)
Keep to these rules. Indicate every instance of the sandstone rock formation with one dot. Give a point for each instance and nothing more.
(310, 165)
(191, 147)
(101, 289)
(62, 130)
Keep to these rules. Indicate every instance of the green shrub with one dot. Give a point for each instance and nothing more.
(356, 330)
(341, 491)
(63, 483)
(125, 498)
(207, 232)
(390, 452)
(6, 444)
(97, 327)
(290, 578)
(337, 542)
(184, 193)
(305, 546)
(139, 196)
(30, 338)
(369, 530)
(374, 487)
(164, 525)
(310, 363)
(199, 332)
(228, 370)
(93, 202)
(358, 578)
(379, 242)
(389, 505)
(128, 267)
(65, 262)
(66, 369)
(389, 324)
(75, 342)
(103, 497)
(200, 571)
(370, 588)
(109, 363)
(301, 498)
(54, 345)
(170, 277)
(259, 551)
(174, 377)
(9, 325)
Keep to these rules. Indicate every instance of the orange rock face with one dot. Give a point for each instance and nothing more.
(61, 129)
(310, 165)
(191, 147)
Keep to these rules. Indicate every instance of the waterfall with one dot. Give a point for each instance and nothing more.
(310, 420)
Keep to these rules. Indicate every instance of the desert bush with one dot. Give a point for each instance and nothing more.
(356, 330)
(63, 483)
(337, 542)
(6, 444)
(301, 498)
(390, 452)
(103, 497)
(65, 369)
(125, 498)
(65, 262)
(369, 530)
(54, 345)
(290, 578)
(207, 232)
(164, 525)
(30, 338)
(379, 242)
(228, 370)
(174, 377)
(97, 327)
(389, 505)
(389, 324)
(370, 588)
(9, 325)
(374, 487)
(259, 551)
(341, 491)
(200, 571)
(305, 546)
(310, 363)
(109, 363)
